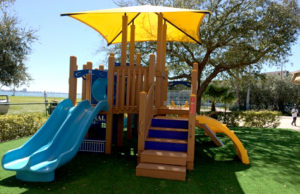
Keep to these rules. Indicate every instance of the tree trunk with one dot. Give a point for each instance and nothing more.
(237, 91)
(248, 98)
(213, 106)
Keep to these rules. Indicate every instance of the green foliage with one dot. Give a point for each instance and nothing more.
(263, 119)
(15, 44)
(16, 126)
(218, 93)
(272, 93)
(266, 119)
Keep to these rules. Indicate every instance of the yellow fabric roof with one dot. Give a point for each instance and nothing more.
(182, 24)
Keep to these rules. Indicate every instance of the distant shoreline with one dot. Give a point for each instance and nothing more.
(36, 94)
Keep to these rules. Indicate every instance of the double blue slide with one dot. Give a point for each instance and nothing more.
(55, 143)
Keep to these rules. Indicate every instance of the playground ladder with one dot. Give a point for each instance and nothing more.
(165, 154)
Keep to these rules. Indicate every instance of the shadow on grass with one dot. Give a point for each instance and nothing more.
(269, 150)
(275, 152)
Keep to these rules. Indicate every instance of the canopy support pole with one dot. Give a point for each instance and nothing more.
(159, 60)
(124, 40)
(132, 44)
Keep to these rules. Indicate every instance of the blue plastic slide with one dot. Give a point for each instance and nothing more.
(54, 144)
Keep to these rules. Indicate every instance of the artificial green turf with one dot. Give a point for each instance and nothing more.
(274, 168)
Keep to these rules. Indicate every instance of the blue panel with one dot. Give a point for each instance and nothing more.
(98, 84)
(169, 123)
(80, 73)
(176, 147)
(167, 134)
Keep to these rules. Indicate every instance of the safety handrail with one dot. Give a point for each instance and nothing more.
(192, 118)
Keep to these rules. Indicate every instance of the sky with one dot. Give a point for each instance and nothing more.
(62, 37)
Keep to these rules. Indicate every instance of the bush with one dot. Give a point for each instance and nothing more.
(21, 125)
(261, 118)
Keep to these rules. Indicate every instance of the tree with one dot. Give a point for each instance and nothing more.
(14, 47)
(239, 33)
(215, 93)
(272, 92)
(228, 99)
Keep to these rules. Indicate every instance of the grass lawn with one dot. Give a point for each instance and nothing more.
(18, 109)
(274, 168)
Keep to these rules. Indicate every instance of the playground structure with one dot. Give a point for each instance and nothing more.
(166, 145)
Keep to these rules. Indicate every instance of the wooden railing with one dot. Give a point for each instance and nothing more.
(192, 118)
(146, 107)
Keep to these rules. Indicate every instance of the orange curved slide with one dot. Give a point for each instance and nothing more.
(218, 127)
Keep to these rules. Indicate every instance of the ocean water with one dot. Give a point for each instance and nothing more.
(37, 94)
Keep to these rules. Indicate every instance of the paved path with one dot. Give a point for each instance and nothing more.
(285, 122)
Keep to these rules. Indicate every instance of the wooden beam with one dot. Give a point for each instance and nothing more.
(159, 41)
(73, 80)
(120, 124)
(122, 100)
(89, 81)
(129, 128)
(192, 118)
(142, 124)
(132, 44)
(124, 40)
(110, 96)
(158, 88)
(164, 45)
(83, 90)
(138, 59)
(152, 67)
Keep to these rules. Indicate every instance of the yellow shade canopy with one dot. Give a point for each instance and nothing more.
(182, 24)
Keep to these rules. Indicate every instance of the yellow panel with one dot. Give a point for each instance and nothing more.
(109, 22)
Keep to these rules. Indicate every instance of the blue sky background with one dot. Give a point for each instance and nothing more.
(60, 37)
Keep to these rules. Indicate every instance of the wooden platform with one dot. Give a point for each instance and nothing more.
(171, 172)
(163, 157)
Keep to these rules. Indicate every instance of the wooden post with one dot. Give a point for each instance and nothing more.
(152, 68)
(158, 88)
(73, 80)
(122, 100)
(164, 45)
(129, 128)
(120, 124)
(89, 81)
(166, 84)
(101, 67)
(132, 44)
(128, 89)
(83, 90)
(110, 101)
(142, 124)
(159, 41)
(118, 88)
(192, 118)
(124, 40)
(164, 88)
(133, 88)
(138, 59)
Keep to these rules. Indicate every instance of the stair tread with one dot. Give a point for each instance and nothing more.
(164, 153)
(164, 167)
(165, 140)
(171, 118)
(168, 129)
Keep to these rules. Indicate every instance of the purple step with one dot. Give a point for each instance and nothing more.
(154, 133)
(170, 123)
(166, 145)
